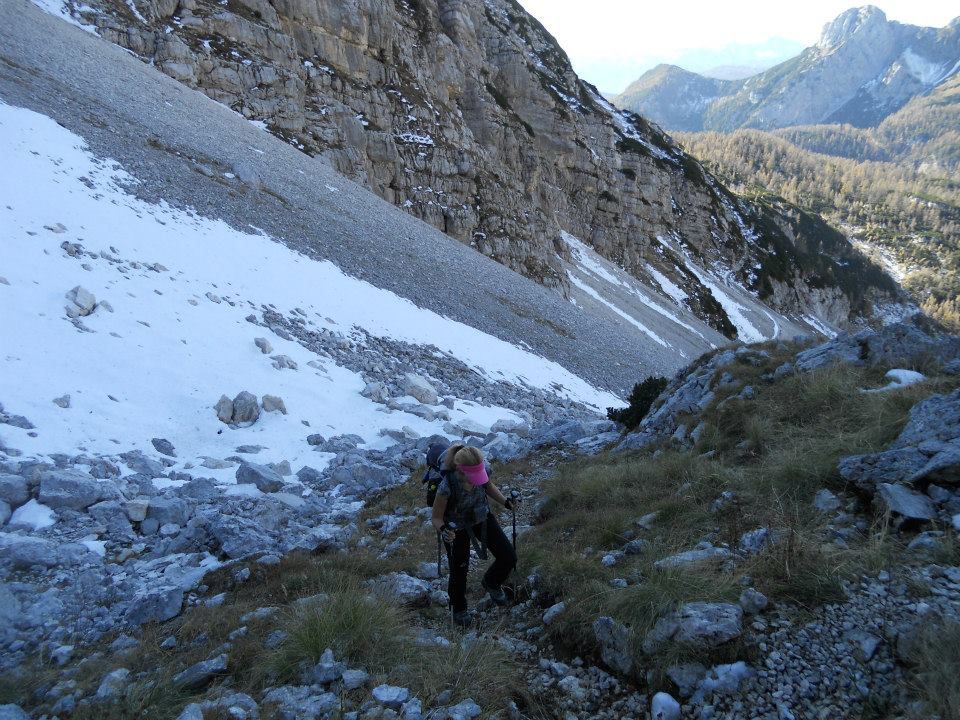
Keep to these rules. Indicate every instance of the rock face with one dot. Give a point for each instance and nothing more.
(863, 68)
(896, 344)
(468, 115)
(927, 451)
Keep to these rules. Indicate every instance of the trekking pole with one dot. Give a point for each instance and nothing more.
(513, 507)
(439, 572)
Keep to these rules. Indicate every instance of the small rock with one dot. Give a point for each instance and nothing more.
(553, 612)
(753, 601)
(113, 684)
(82, 302)
(62, 401)
(353, 679)
(201, 673)
(265, 347)
(390, 695)
(164, 447)
(664, 707)
(283, 362)
(272, 403)
(266, 479)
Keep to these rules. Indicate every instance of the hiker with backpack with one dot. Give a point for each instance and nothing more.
(462, 518)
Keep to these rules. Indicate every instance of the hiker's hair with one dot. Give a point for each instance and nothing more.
(468, 456)
(460, 454)
(449, 456)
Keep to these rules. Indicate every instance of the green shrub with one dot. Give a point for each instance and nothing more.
(641, 398)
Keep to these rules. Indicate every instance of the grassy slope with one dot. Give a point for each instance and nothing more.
(773, 451)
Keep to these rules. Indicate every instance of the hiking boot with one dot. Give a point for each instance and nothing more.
(497, 595)
(464, 618)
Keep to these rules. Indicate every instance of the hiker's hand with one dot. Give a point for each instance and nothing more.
(447, 534)
(512, 502)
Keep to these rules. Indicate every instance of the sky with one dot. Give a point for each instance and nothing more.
(616, 41)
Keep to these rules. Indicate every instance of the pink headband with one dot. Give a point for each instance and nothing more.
(475, 474)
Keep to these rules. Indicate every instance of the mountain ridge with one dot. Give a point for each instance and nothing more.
(862, 69)
(470, 117)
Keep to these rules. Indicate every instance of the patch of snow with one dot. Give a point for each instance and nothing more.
(746, 330)
(97, 546)
(591, 262)
(34, 515)
(62, 10)
(259, 124)
(672, 290)
(899, 378)
(626, 316)
(156, 365)
(410, 138)
(136, 13)
(924, 70)
(820, 326)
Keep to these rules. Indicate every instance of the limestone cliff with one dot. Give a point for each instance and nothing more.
(467, 113)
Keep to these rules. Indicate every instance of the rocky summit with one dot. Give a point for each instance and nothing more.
(863, 68)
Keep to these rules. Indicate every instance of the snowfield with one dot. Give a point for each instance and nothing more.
(181, 287)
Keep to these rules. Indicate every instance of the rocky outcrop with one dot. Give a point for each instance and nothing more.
(468, 115)
(863, 68)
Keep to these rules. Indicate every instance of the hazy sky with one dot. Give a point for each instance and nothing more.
(612, 42)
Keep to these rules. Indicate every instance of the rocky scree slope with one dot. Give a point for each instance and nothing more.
(469, 115)
(863, 68)
(732, 633)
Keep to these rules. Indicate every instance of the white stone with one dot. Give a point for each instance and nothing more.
(664, 707)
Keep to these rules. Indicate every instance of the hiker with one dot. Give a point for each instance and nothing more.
(462, 517)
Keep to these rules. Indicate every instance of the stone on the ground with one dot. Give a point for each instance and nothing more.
(909, 504)
(82, 302)
(5, 512)
(140, 463)
(687, 677)
(265, 347)
(753, 601)
(825, 501)
(62, 401)
(224, 408)
(391, 695)
(193, 711)
(113, 684)
(164, 447)
(419, 388)
(167, 510)
(511, 427)
(664, 707)
(283, 362)
(697, 626)
(13, 490)
(156, 605)
(246, 409)
(272, 403)
(353, 679)
(13, 712)
(301, 702)
(376, 391)
(200, 674)
(73, 489)
(692, 557)
(553, 612)
(403, 589)
(266, 479)
(614, 640)
(137, 508)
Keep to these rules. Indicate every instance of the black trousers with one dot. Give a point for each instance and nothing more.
(458, 554)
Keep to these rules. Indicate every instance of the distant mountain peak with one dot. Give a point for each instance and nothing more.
(849, 23)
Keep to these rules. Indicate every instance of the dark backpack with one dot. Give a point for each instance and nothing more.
(433, 476)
